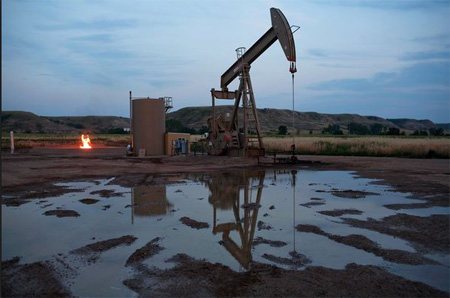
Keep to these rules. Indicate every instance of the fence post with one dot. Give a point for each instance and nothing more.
(11, 136)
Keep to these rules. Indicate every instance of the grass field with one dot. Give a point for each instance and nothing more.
(400, 146)
(24, 140)
(396, 146)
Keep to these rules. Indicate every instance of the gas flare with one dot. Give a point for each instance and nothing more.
(86, 142)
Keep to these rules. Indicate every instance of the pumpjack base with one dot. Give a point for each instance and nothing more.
(249, 152)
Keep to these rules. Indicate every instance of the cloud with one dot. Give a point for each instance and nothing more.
(317, 53)
(96, 38)
(389, 4)
(443, 38)
(420, 90)
(106, 24)
(430, 55)
(426, 76)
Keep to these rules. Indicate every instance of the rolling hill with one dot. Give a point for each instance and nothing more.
(196, 118)
(305, 122)
(27, 122)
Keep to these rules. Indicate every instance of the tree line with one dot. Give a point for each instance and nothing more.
(374, 129)
(378, 129)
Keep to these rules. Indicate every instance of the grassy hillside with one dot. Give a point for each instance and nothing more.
(26, 122)
(196, 118)
(304, 122)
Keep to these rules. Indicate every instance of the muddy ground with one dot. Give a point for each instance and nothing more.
(29, 175)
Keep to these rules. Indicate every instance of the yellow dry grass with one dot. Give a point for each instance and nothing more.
(368, 146)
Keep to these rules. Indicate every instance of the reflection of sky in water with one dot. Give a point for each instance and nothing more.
(154, 211)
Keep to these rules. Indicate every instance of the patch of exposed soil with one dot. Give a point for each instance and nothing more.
(340, 212)
(145, 252)
(61, 213)
(196, 278)
(193, 223)
(88, 201)
(251, 206)
(263, 226)
(273, 243)
(107, 193)
(309, 204)
(408, 206)
(31, 280)
(352, 194)
(14, 202)
(296, 260)
(105, 245)
(427, 234)
(20, 196)
(364, 243)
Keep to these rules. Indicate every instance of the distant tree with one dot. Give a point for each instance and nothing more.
(393, 131)
(173, 125)
(203, 130)
(334, 129)
(420, 133)
(282, 130)
(357, 129)
(436, 131)
(116, 130)
(376, 129)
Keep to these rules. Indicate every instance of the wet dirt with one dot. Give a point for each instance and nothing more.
(145, 252)
(193, 223)
(340, 212)
(101, 246)
(427, 234)
(31, 280)
(273, 243)
(352, 194)
(31, 175)
(362, 242)
(61, 213)
(295, 261)
(197, 278)
(88, 201)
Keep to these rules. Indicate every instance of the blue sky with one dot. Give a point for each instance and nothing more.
(82, 57)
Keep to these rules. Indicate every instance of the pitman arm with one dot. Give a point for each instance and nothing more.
(280, 30)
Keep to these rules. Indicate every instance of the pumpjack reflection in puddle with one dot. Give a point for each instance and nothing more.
(225, 194)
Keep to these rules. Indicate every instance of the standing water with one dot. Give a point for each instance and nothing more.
(287, 218)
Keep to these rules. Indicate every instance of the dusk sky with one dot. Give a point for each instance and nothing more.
(82, 57)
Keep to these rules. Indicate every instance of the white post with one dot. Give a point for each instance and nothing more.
(11, 136)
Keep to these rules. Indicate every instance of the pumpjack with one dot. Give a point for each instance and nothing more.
(239, 134)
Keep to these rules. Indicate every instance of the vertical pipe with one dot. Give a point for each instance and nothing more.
(131, 124)
(11, 136)
(132, 203)
(293, 117)
(214, 133)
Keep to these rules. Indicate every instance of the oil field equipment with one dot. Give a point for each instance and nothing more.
(148, 124)
(239, 134)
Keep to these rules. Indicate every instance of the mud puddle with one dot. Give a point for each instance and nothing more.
(290, 219)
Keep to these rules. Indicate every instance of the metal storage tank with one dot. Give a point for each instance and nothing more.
(148, 126)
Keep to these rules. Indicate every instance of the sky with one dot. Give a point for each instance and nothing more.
(386, 58)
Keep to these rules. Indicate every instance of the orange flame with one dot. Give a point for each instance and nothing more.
(86, 142)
